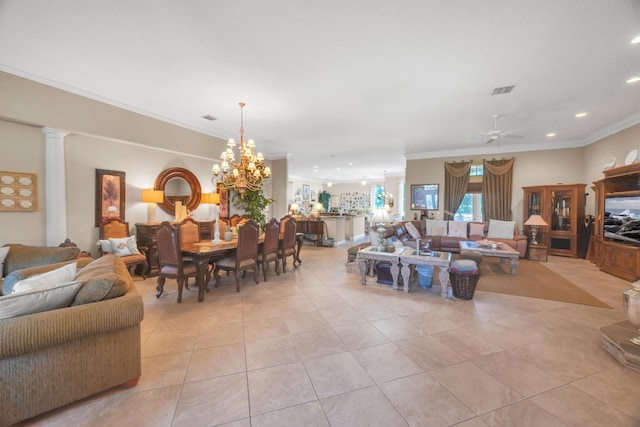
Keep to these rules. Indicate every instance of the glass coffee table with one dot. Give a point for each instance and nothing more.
(502, 251)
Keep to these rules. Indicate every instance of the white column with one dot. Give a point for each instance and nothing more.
(55, 187)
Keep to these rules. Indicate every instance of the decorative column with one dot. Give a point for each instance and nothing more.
(55, 186)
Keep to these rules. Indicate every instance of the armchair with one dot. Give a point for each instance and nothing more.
(114, 228)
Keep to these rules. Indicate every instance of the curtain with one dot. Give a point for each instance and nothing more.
(456, 179)
(497, 189)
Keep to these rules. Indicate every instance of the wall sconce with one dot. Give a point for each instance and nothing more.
(152, 197)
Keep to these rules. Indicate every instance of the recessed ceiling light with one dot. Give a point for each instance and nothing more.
(635, 40)
(350, 164)
(634, 79)
(580, 115)
(551, 134)
(337, 169)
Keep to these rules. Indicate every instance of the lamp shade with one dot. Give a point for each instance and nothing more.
(210, 198)
(152, 196)
(318, 207)
(294, 207)
(381, 216)
(535, 220)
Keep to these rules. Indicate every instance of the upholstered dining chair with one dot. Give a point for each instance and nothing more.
(287, 247)
(171, 263)
(268, 251)
(245, 256)
(115, 238)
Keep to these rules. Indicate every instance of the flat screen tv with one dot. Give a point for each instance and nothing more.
(622, 219)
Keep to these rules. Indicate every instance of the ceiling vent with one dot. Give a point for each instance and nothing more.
(502, 90)
(209, 117)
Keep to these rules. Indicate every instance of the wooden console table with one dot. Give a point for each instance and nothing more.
(311, 227)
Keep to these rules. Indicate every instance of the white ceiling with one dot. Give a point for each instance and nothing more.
(335, 82)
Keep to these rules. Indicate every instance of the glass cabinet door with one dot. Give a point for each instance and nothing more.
(533, 203)
(561, 211)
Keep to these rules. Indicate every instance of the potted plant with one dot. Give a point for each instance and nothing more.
(324, 197)
(253, 203)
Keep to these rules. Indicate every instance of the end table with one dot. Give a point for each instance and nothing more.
(538, 253)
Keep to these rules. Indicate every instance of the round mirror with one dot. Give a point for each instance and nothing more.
(178, 184)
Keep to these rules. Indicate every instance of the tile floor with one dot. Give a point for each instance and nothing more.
(313, 347)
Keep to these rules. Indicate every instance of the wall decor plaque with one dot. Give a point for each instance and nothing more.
(18, 191)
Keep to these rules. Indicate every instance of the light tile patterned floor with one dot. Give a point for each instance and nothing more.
(313, 347)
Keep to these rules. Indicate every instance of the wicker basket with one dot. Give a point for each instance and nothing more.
(463, 285)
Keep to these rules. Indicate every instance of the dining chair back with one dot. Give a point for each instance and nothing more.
(287, 247)
(268, 251)
(245, 256)
(170, 261)
(189, 231)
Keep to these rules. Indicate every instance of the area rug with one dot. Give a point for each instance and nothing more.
(533, 280)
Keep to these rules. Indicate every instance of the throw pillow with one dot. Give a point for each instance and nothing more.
(124, 246)
(105, 246)
(458, 229)
(501, 229)
(46, 280)
(105, 278)
(19, 304)
(412, 230)
(4, 251)
(476, 229)
(438, 231)
(433, 223)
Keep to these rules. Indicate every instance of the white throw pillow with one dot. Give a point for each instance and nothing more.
(105, 246)
(458, 229)
(412, 230)
(124, 246)
(501, 229)
(46, 280)
(19, 304)
(4, 251)
(436, 227)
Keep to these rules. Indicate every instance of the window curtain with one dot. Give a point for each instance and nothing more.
(456, 180)
(497, 189)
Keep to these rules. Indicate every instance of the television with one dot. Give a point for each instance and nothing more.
(622, 219)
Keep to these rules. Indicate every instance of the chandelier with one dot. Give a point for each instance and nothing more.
(248, 173)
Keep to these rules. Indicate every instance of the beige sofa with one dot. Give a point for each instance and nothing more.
(52, 358)
(452, 243)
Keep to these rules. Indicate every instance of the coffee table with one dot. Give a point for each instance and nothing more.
(442, 260)
(370, 253)
(503, 251)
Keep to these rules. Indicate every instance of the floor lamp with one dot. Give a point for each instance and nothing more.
(214, 199)
(152, 197)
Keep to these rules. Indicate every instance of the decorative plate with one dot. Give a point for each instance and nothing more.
(632, 157)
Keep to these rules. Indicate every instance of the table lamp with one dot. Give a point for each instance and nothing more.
(152, 197)
(294, 208)
(535, 221)
(381, 217)
(213, 199)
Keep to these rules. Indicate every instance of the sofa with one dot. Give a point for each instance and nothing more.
(51, 358)
(446, 235)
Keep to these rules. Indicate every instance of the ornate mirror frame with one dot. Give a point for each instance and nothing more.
(196, 191)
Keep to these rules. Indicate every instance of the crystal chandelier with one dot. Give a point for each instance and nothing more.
(246, 174)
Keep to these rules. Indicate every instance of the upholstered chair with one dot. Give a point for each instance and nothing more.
(287, 247)
(245, 256)
(115, 238)
(170, 260)
(268, 251)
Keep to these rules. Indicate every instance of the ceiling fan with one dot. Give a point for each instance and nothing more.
(495, 133)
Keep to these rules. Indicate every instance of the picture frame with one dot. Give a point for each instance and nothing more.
(306, 192)
(224, 200)
(110, 195)
(425, 196)
(18, 191)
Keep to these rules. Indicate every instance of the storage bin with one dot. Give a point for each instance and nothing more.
(425, 275)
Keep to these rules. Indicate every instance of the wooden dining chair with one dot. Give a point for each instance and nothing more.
(171, 263)
(245, 256)
(287, 247)
(268, 251)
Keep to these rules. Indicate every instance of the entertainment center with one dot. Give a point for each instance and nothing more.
(610, 253)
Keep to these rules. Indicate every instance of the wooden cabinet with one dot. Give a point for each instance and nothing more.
(562, 208)
(620, 259)
(315, 228)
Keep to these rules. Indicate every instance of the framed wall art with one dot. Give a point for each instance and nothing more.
(306, 192)
(224, 201)
(110, 195)
(18, 191)
(424, 196)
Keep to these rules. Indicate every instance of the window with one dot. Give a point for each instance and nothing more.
(476, 170)
(470, 209)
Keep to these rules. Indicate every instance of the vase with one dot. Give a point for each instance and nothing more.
(228, 234)
(631, 302)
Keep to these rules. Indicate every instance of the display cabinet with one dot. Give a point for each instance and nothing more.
(562, 208)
